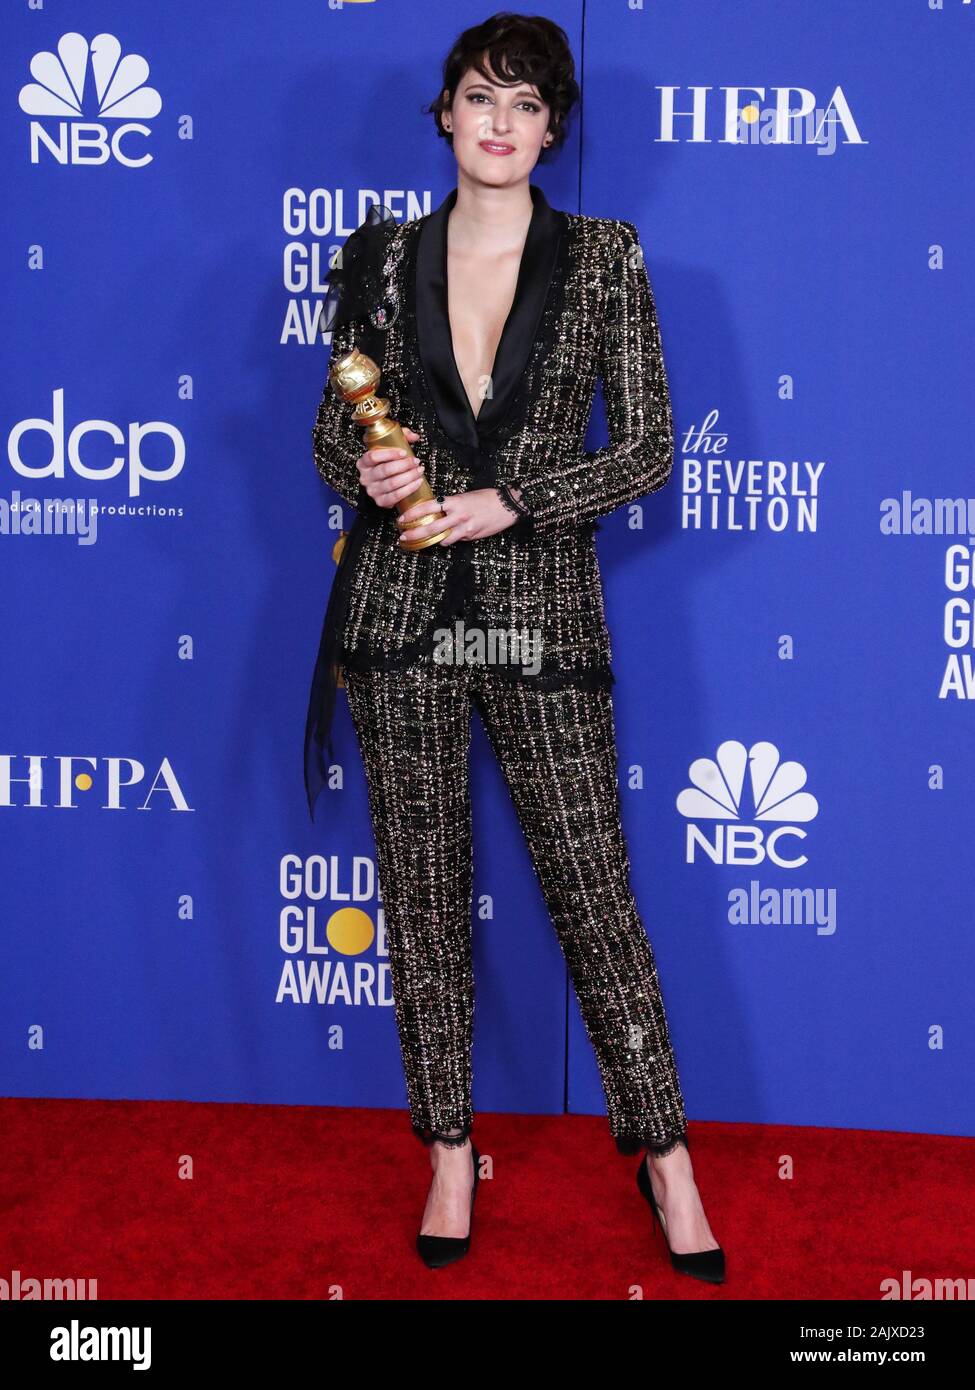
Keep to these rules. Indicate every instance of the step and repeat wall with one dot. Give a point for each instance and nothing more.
(793, 616)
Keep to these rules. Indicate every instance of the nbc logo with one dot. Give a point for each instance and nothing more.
(120, 95)
(715, 797)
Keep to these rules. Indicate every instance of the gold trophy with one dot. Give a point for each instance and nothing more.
(355, 378)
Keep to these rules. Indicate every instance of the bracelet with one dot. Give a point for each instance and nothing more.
(518, 508)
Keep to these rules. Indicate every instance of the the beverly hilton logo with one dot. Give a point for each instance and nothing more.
(76, 131)
(716, 795)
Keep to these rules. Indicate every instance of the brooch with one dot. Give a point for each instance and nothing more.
(386, 310)
(384, 313)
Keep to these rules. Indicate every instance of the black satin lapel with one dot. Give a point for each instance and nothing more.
(534, 279)
(433, 321)
(433, 327)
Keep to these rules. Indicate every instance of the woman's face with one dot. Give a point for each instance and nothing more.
(498, 131)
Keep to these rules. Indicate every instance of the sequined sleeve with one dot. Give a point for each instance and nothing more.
(336, 441)
(639, 457)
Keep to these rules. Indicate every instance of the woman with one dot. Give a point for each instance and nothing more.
(491, 319)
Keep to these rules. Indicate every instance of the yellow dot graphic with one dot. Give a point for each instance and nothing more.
(350, 931)
(83, 782)
(749, 114)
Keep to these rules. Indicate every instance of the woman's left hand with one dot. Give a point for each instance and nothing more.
(470, 515)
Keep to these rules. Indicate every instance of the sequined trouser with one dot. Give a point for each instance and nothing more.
(557, 752)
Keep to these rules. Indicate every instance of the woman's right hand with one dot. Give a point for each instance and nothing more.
(387, 475)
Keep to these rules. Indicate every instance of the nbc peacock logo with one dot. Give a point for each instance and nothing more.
(716, 819)
(90, 122)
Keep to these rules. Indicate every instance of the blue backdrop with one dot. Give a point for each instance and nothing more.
(792, 616)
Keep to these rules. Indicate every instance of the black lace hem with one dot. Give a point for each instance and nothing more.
(636, 1143)
(511, 502)
(577, 678)
(430, 1136)
(586, 678)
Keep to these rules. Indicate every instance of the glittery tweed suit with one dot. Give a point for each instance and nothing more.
(583, 308)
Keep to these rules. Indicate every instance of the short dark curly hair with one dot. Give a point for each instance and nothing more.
(518, 48)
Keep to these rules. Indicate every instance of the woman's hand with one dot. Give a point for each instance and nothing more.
(470, 515)
(389, 475)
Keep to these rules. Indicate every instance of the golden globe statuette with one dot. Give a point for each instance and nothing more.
(355, 378)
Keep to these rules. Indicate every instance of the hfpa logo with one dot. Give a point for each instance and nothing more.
(120, 95)
(716, 796)
(764, 115)
(68, 775)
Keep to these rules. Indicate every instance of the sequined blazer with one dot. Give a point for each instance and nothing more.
(583, 308)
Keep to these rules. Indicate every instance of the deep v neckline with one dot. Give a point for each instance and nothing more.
(519, 288)
(434, 339)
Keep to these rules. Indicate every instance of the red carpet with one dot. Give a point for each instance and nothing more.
(301, 1202)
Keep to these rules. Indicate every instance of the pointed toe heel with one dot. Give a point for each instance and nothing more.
(699, 1264)
(437, 1251)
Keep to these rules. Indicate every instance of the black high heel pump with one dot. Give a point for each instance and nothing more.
(437, 1251)
(700, 1264)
